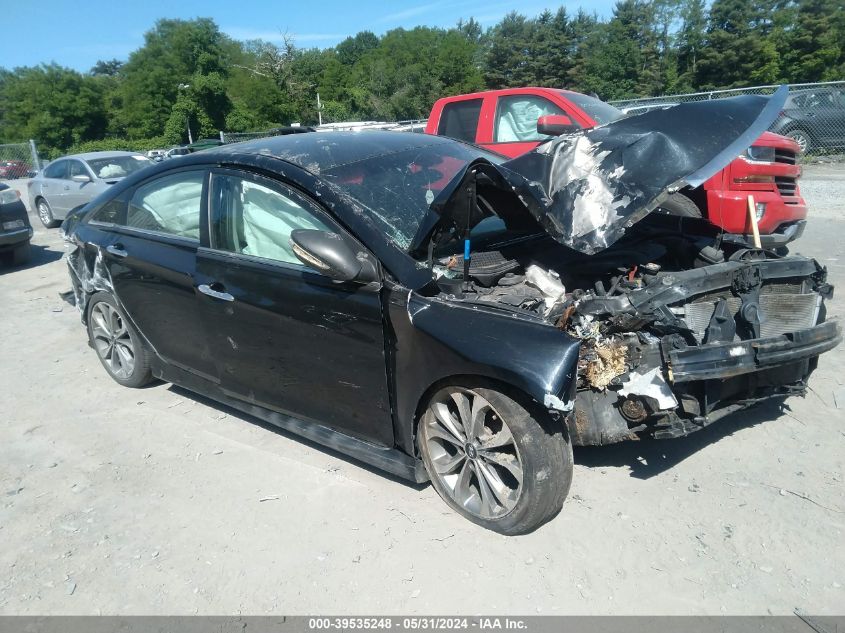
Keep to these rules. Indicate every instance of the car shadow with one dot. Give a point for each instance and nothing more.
(40, 255)
(649, 457)
(645, 458)
(240, 415)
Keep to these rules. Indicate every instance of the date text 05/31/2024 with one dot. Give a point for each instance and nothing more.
(417, 623)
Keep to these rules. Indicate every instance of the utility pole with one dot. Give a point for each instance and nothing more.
(319, 110)
(187, 115)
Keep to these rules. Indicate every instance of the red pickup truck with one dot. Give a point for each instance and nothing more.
(505, 121)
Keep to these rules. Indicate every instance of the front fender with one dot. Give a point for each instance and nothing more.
(436, 339)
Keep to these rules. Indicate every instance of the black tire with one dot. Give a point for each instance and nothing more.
(805, 142)
(45, 214)
(113, 350)
(21, 254)
(539, 449)
(680, 205)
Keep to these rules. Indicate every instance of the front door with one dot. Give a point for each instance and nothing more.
(284, 336)
(76, 192)
(515, 123)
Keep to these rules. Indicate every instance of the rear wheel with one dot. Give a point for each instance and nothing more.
(116, 342)
(45, 214)
(492, 460)
(680, 205)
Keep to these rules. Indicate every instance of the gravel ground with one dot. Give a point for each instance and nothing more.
(157, 501)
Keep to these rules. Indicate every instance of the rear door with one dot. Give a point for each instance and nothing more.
(284, 336)
(151, 259)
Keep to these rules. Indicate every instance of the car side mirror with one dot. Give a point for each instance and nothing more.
(333, 255)
(555, 125)
(80, 178)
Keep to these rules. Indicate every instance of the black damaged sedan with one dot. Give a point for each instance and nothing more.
(418, 304)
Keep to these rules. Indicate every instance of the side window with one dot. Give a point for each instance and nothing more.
(169, 205)
(253, 219)
(459, 119)
(57, 169)
(112, 212)
(516, 118)
(76, 168)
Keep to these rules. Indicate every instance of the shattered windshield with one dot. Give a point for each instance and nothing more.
(395, 190)
(117, 166)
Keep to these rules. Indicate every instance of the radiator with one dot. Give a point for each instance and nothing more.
(779, 313)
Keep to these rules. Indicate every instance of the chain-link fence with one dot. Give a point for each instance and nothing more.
(414, 125)
(18, 160)
(814, 114)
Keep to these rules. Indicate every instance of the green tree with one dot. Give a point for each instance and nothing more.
(350, 50)
(815, 48)
(738, 48)
(549, 38)
(507, 59)
(691, 40)
(175, 52)
(623, 60)
(56, 106)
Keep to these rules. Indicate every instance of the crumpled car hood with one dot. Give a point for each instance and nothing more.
(586, 189)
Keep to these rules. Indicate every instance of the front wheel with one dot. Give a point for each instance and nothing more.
(499, 464)
(45, 214)
(116, 342)
(802, 138)
(680, 205)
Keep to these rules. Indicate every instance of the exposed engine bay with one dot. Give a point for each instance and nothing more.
(677, 328)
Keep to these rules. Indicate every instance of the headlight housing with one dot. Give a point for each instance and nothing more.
(760, 154)
(8, 196)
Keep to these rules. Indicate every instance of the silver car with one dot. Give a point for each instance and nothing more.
(71, 181)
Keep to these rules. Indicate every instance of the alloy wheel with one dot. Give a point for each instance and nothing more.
(44, 213)
(473, 453)
(802, 139)
(112, 340)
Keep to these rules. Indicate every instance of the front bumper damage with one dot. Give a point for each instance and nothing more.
(698, 386)
(680, 372)
(727, 360)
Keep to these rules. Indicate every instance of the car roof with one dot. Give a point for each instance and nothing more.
(93, 155)
(319, 152)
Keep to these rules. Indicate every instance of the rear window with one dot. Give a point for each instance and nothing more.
(459, 119)
(602, 113)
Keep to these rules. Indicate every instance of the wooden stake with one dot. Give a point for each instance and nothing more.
(752, 215)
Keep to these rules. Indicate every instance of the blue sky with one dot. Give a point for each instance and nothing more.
(77, 34)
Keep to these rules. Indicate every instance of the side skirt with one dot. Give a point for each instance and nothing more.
(390, 460)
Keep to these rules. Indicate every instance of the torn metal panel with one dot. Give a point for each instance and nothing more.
(586, 189)
(87, 277)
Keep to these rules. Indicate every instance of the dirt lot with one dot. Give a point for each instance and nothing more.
(150, 501)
